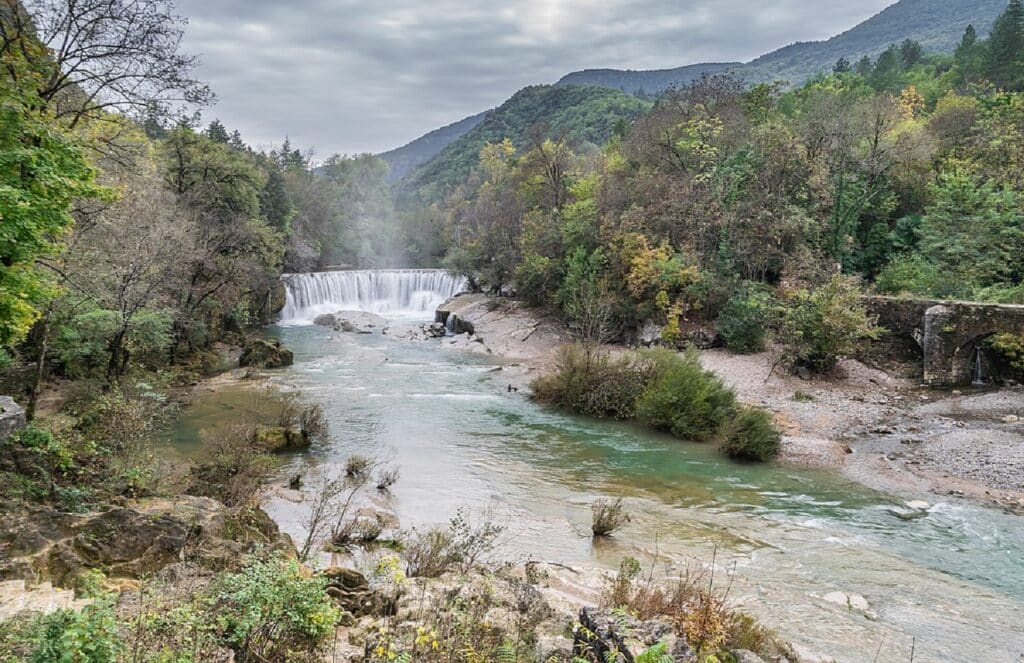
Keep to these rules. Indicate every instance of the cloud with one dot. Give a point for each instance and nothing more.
(346, 76)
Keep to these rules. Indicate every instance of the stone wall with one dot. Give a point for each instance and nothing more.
(948, 332)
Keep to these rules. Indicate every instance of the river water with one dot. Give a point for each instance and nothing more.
(950, 584)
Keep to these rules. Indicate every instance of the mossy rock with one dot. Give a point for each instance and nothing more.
(263, 353)
(277, 439)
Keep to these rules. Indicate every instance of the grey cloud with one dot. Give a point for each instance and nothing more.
(348, 76)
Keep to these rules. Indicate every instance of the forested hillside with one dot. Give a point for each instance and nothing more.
(403, 160)
(936, 24)
(764, 208)
(646, 83)
(585, 116)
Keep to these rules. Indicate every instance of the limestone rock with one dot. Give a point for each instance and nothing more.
(352, 322)
(265, 353)
(601, 631)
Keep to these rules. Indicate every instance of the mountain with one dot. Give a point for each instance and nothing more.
(937, 24)
(403, 160)
(585, 114)
(652, 81)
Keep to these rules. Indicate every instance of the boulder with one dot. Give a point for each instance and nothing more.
(279, 439)
(265, 353)
(435, 330)
(649, 334)
(601, 632)
(349, 588)
(746, 656)
(12, 417)
(352, 322)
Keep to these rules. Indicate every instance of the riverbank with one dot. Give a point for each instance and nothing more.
(883, 431)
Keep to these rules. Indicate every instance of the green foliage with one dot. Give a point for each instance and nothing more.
(84, 342)
(750, 434)
(824, 324)
(88, 636)
(684, 399)
(42, 172)
(745, 320)
(271, 609)
(595, 383)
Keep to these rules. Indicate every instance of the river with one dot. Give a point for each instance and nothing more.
(950, 584)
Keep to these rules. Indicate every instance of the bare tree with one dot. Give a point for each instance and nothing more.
(103, 55)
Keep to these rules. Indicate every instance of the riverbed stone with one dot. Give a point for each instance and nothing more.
(265, 353)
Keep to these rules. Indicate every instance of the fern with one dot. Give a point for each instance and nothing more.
(507, 653)
(656, 654)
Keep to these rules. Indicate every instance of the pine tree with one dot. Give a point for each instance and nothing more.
(216, 132)
(842, 66)
(864, 66)
(1004, 64)
(911, 53)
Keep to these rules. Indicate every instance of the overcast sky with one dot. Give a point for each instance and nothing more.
(354, 76)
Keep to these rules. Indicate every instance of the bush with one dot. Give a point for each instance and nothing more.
(684, 399)
(745, 320)
(594, 383)
(232, 468)
(825, 324)
(433, 552)
(750, 435)
(86, 636)
(608, 516)
(272, 609)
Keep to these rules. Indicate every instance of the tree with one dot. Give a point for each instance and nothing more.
(864, 66)
(42, 172)
(131, 266)
(841, 66)
(107, 55)
(1005, 56)
(911, 53)
(217, 132)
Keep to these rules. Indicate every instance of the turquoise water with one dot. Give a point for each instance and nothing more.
(953, 580)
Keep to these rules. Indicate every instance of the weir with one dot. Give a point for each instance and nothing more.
(388, 292)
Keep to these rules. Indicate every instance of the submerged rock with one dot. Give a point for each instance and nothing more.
(278, 439)
(265, 353)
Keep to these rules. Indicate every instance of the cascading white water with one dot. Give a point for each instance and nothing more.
(388, 292)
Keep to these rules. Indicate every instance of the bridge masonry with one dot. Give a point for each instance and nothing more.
(948, 332)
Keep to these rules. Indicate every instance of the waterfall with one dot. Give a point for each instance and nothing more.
(390, 292)
(979, 369)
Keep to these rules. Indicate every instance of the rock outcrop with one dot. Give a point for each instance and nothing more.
(603, 632)
(265, 353)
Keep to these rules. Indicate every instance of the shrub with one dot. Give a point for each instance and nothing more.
(750, 435)
(272, 609)
(608, 516)
(433, 552)
(745, 320)
(86, 636)
(684, 399)
(825, 324)
(594, 383)
(232, 469)
(387, 477)
(357, 466)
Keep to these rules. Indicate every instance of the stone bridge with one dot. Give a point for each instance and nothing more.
(948, 332)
